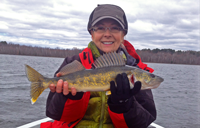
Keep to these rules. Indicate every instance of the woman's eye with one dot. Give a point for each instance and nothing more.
(100, 28)
(115, 28)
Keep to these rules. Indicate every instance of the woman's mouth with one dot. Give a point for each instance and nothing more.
(107, 42)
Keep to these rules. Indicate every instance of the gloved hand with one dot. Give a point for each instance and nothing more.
(122, 93)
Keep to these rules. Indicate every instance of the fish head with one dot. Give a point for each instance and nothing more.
(148, 80)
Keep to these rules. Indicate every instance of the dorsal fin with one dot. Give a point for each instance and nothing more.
(109, 59)
(72, 67)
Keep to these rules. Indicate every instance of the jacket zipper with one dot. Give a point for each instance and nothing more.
(103, 98)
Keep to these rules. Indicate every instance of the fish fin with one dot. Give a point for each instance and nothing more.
(36, 90)
(33, 75)
(72, 67)
(36, 83)
(107, 89)
(108, 92)
(109, 59)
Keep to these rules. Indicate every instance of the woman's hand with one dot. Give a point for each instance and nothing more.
(122, 92)
(62, 87)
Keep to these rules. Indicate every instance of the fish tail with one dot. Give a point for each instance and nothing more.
(36, 83)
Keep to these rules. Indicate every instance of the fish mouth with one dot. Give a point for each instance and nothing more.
(161, 79)
(107, 42)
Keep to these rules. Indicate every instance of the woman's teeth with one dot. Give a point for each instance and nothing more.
(107, 42)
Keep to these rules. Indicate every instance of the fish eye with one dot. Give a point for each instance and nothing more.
(152, 75)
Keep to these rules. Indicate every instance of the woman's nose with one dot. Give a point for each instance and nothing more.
(107, 32)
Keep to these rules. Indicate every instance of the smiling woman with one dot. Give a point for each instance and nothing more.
(125, 105)
(107, 35)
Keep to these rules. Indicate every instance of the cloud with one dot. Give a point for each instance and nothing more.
(59, 23)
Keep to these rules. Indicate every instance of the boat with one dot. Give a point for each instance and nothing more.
(36, 124)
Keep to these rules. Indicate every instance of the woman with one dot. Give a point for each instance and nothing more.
(134, 108)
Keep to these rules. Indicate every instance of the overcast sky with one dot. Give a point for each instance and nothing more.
(152, 24)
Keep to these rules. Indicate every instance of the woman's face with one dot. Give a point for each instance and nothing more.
(107, 41)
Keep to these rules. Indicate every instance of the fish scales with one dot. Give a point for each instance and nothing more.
(91, 80)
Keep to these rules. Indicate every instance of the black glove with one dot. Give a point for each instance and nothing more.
(121, 98)
(122, 93)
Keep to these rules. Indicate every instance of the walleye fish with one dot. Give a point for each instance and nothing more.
(106, 69)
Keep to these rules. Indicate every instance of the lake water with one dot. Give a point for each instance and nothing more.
(177, 98)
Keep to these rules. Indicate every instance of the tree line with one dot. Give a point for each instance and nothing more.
(16, 49)
(170, 56)
(147, 55)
